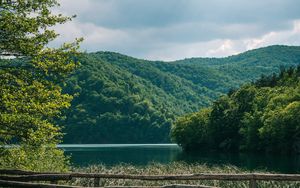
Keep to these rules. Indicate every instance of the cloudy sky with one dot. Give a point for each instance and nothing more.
(177, 29)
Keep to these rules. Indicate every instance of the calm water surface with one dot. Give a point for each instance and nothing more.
(143, 154)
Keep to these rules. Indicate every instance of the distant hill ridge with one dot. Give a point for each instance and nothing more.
(121, 99)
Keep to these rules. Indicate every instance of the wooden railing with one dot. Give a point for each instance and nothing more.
(18, 178)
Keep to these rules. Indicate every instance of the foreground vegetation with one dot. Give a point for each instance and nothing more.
(31, 97)
(167, 169)
(262, 116)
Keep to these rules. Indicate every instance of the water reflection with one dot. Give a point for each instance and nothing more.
(135, 154)
(84, 155)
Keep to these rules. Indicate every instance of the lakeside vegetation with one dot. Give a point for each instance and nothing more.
(261, 116)
(172, 168)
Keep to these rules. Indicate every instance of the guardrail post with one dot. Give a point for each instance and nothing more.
(252, 183)
(96, 182)
(53, 182)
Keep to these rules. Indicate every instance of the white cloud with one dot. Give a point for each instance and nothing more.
(95, 38)
(226, 47)
(287, 37)
(213, 48)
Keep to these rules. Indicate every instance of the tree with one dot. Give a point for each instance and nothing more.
(191, 131)
(30, 94)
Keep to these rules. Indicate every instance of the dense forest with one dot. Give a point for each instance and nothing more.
(120, 99)
(261, 116)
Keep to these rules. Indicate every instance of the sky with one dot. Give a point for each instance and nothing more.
(177, 29)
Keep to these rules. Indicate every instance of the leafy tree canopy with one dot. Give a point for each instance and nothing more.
(262, 116)
(30, 97)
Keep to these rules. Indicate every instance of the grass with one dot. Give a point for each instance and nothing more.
(167, 169)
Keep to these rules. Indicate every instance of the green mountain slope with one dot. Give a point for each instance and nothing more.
(120, 99)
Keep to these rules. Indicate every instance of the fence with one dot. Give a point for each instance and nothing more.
(18, 178)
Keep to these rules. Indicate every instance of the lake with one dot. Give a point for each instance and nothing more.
(143, 154)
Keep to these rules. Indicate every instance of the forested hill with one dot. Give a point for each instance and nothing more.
(120, 99)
